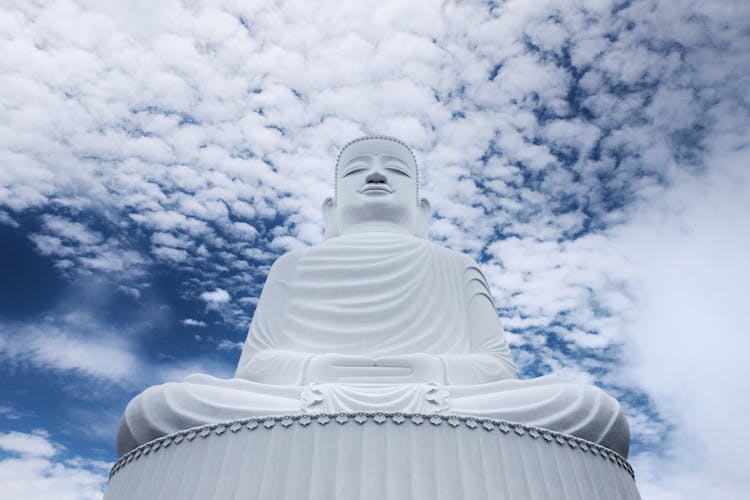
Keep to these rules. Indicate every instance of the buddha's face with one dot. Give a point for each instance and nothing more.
(376, 182)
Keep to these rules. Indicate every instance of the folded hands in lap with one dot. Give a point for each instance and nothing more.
(406, 368)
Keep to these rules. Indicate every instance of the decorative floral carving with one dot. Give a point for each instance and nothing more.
(342, 419)
(361, 418)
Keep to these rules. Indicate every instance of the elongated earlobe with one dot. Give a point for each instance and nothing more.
(329, 218)
(424, 216)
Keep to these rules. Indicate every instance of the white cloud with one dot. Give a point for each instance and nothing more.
(66, 344)
(29, 445)
(217, 296)
(84, 250)
(228, 345)
(78, 342)
(10, 413)
(74, 231)
(170, 254)
(130, 291)
(170, 240)
(32, 469)
(193, 151)
(8, 220)
(193, 322)
(689, 333)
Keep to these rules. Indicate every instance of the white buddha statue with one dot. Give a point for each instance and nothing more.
(376, 318)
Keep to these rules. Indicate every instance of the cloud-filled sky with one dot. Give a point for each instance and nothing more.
(155, 158)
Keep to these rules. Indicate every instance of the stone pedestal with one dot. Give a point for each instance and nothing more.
(370, 456)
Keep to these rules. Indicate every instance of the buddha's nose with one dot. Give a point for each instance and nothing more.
(376, 178)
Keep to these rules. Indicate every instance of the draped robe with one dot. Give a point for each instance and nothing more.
(376, 294)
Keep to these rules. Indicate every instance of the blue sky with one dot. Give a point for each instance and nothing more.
(156, 159)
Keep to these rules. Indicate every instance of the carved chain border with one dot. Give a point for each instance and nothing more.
(304, 420)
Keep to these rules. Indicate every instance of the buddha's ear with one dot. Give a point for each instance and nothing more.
(424, 216)
(329, 218)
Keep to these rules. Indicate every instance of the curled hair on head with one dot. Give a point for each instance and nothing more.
(370, 138)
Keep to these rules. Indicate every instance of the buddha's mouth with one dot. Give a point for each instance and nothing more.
(376, 189)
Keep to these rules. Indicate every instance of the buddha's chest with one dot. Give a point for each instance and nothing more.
(376, 299)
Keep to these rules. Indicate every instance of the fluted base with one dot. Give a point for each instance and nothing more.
(370, 456)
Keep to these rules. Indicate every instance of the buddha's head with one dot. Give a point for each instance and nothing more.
(376, 187)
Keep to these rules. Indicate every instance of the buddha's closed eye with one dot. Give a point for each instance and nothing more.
(354, 170)
(398, 171)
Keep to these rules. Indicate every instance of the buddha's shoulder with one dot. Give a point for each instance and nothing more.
(459, 258)
(286, 263)
(366, 243)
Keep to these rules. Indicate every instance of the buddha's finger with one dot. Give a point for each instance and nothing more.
(353, 361)
(395, 361)
(361, 372)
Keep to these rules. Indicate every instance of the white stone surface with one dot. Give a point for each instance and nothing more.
(371, 457)
(376, 318)
(378, 300)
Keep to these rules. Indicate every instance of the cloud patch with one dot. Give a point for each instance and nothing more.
(686, 344)
(31, 466)
(218, 296)
(193, 322)
(61, 344)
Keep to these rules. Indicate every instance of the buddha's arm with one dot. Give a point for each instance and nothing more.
(284, 367)
(263, 358)
(274, 366)
(489, 359)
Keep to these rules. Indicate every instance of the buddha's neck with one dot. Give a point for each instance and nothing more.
(376, 227)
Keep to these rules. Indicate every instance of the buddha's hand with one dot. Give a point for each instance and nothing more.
(418, 367)
(334, 367)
